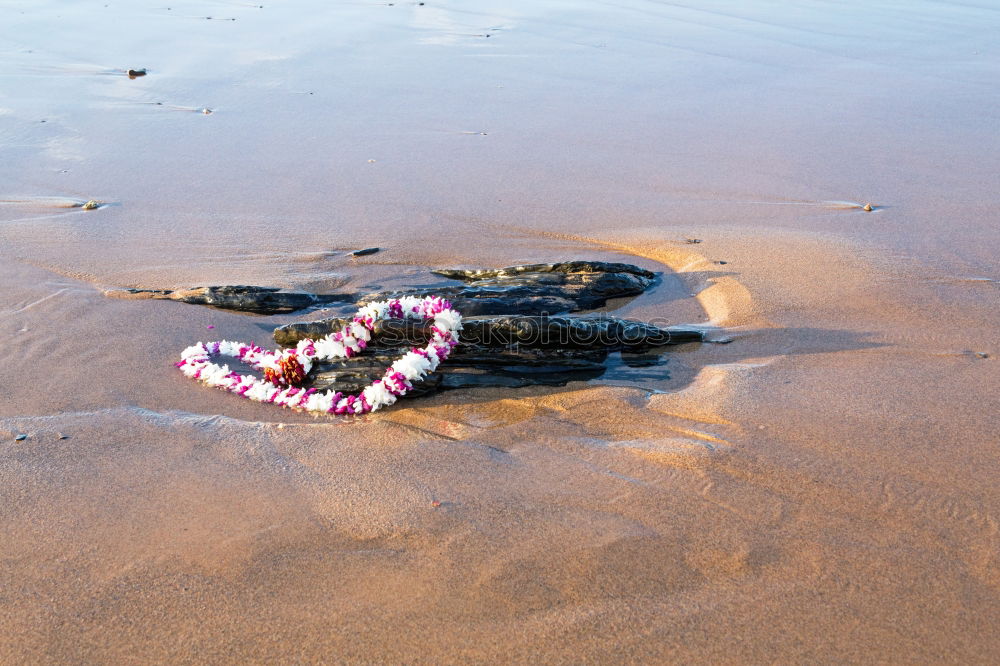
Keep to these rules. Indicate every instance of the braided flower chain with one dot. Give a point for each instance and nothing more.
(284, 370)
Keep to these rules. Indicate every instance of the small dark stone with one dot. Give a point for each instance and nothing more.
(136, 73)
(364, 252)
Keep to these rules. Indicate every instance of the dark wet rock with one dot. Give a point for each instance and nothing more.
(365, 252)
(531, 289)
(516, 331)
(136, 73)
(469, 366)
(506, 351)
(534, 289)
(242, 298)
(565, 267)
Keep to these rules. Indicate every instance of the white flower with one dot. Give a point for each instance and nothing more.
(259, 392)
(378, 395)
(328, 348)
(358, 331)
(410, 302)
(412, 365)
(448, 319)
(193, 351)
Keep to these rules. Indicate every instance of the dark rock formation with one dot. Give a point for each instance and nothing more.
(515, 331)
(535, 289)
(259, 300)
(468, 367)
(505, 351)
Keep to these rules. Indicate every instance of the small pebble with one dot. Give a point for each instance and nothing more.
(20, 438)
(207, 111)
(63, 435)
(366, 251)
(210, 327)
(692, 241)
(435, 504)
(91, 205)
(722, 262)
(868, 208)
(136, 73)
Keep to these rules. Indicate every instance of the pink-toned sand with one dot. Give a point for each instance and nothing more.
(822, 489)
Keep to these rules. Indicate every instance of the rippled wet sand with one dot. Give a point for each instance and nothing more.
(820, 489)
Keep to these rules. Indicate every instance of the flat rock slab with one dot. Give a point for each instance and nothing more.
(506, 351)
(245, 298)
(534, 289)
(530, 289)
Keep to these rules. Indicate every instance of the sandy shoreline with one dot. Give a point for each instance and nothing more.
(821, 489)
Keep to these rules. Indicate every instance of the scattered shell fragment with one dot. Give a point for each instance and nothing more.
(207, 111)
(868, 208)
(21, 438)
(63, 435)
(91, 205)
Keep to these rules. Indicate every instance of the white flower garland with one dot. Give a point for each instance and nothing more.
(285, 369)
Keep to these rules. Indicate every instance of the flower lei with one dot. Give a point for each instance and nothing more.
(284, 370)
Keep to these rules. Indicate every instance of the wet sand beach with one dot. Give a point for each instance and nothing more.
(821, 488)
